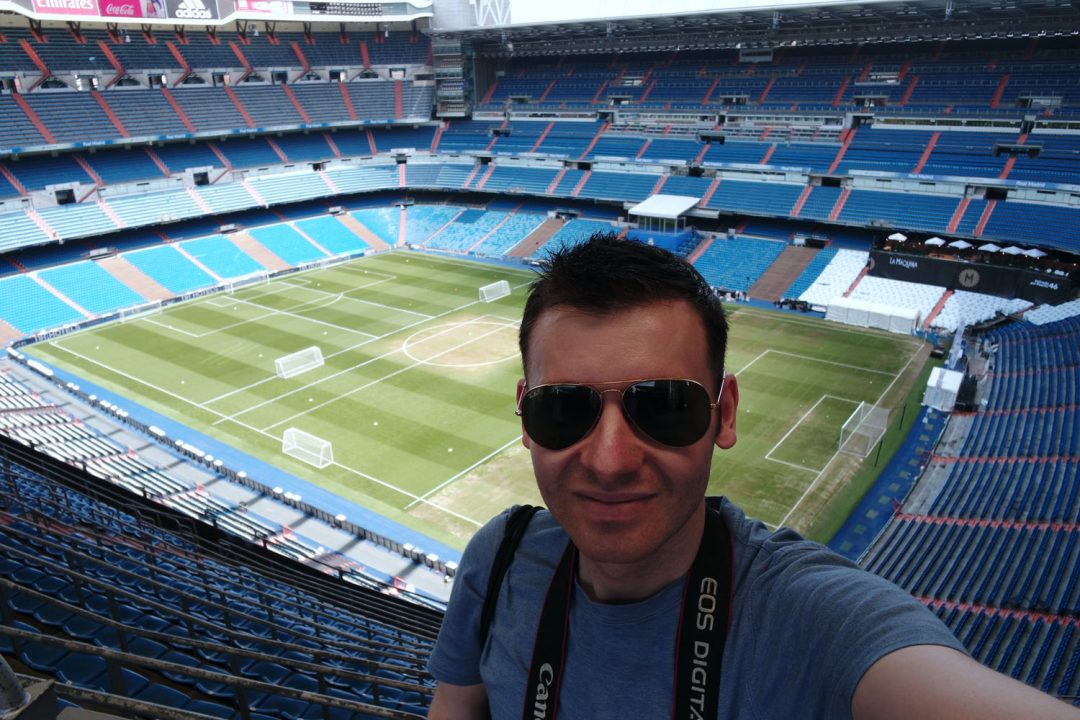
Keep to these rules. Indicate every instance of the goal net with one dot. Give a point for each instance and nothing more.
(862, 431)
(140, 310)
(494, 291)
(258, 277)
(299, 362)
(307, 447)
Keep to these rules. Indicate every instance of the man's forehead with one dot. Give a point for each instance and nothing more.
(564, 333)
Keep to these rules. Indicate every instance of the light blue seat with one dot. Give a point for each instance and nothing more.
(222, 256)
(91, 287)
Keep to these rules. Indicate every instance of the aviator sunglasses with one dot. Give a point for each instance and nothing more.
(670, 411)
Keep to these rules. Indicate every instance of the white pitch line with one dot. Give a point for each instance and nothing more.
(170, 327)
(796, 466)
(746, 367)
(397, 372)
(469, 469)
(415, 498)
(792, 428)
(833, 362)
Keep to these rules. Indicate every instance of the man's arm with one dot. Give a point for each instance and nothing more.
(459, 702)
(932, 681)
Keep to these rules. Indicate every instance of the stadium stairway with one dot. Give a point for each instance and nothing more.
(536, 239)
(134, 278)
(8, 333)
(258, 251)
(782, 273)
(376, 242)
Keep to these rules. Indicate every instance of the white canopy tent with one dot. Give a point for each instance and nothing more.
(942, 387)
(1012, 250)
(989, 247)
(897, 237)
(960, 244)
(935, 241)
(873, 315)
(662, 212)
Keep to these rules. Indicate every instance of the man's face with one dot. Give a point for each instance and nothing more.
(621, 496)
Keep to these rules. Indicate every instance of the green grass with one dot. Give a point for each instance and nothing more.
(417, 391)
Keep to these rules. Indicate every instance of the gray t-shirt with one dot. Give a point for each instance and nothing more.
(805, 625)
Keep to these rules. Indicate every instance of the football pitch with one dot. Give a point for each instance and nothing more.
(416, 393)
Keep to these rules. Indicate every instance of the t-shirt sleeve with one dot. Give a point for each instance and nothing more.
(833, 621)
(456, 657)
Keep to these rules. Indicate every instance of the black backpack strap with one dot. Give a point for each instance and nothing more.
(516, 525)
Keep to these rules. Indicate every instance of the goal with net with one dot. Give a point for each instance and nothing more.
(307, 447)
(137, 311)
(231, 285)
(494, 291)
(295, 363)
(862, 431)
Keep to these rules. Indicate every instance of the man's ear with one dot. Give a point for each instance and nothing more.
(522, 384)
(729, 410)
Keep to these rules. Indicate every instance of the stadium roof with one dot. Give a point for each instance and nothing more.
(807, 24)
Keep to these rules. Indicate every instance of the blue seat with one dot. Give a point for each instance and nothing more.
(266, 671)
(81, 669)
(210, 708)
(215, 688)
(80, 627)
(131, 683)
(7, 642)
(52, 615)
(280, 706)
(162, 695)
(41, 657)
(147, 647)
(180, 659)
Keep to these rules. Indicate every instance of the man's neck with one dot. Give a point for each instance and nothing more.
(617, 583)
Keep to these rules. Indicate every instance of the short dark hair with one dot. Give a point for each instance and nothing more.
(606, 274)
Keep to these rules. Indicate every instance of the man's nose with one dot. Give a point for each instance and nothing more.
(613, 449)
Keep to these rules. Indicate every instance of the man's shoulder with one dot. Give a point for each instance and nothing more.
(541, 535)
(761, 551)
(752, 534)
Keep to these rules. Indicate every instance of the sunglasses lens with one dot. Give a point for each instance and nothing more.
(557, 416)
(672, 412)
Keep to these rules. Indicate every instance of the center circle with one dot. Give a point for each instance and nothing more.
(452, 345)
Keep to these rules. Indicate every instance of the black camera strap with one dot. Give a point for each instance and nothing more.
(699, 644)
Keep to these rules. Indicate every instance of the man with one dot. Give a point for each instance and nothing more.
(634, 597)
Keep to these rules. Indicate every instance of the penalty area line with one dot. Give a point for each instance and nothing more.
(478, 463)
